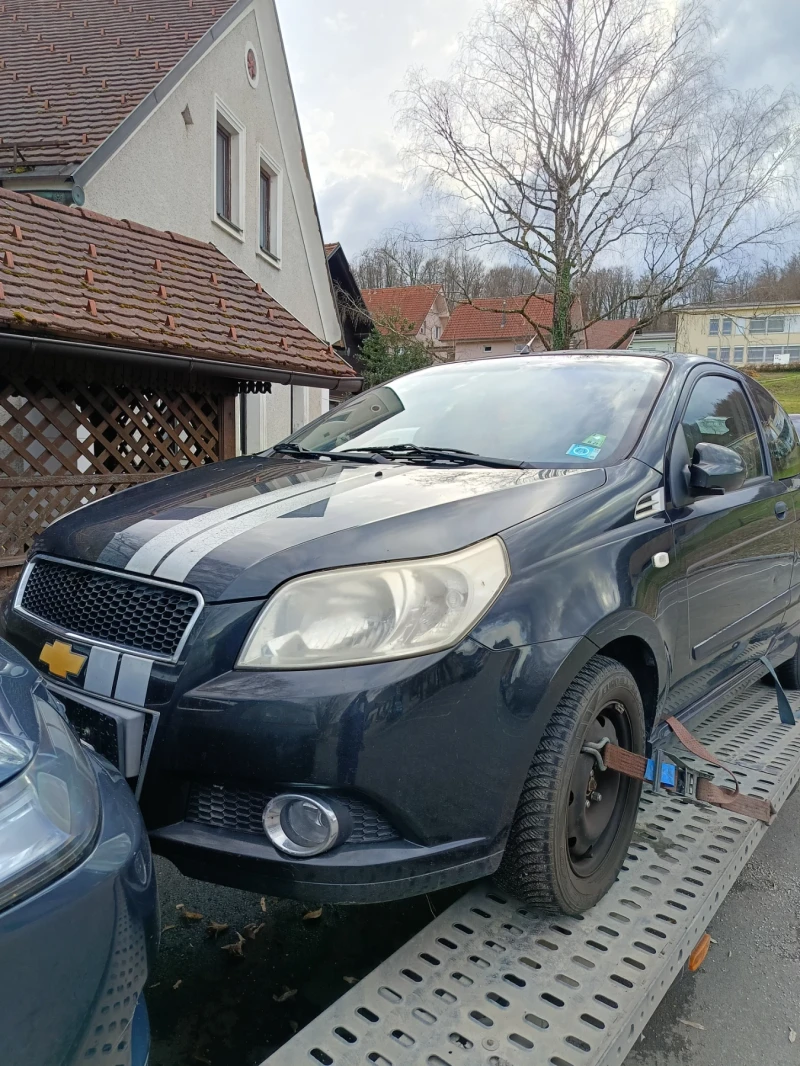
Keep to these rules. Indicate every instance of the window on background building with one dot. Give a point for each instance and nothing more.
(768, 324)
(727, 326)
(755, 355)
(711, 353)
(738, 355)
(713, 326)
(265, 211)
(270, 207)
(437, 332)
(724, 355)
(229, 170)
(224, 190)
(487, 347)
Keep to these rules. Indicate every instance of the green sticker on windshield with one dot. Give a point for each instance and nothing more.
(597, 440)
(713, 425)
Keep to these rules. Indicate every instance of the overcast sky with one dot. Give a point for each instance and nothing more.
(348, 56)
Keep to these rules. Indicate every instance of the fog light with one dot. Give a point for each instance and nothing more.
(302, 825)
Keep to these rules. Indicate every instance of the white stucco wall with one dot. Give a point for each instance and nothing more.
(163, 176)
(475, 349)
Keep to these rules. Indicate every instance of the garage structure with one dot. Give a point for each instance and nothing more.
(122, 351)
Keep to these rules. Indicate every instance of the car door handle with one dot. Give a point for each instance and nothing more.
(781, 509)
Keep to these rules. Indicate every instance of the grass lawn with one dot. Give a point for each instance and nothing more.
(785, 387)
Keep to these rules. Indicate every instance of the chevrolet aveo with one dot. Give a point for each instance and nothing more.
(365, 663)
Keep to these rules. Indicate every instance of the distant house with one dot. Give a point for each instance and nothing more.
(742, 333)
(423, 307)
(610, 333)
(179, 116)
(498, 326)
(354, 315)
(653, 341)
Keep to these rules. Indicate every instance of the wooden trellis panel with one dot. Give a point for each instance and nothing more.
(64, 443)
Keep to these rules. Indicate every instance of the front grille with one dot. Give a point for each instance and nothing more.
(241, 809)
(110, 608)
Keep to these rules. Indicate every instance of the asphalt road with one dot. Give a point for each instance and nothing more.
(213, 1006)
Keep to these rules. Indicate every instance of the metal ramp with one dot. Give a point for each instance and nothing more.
(488, 983)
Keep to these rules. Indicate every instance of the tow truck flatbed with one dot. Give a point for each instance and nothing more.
(490, 983)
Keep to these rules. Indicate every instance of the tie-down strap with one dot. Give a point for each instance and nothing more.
(681, 780)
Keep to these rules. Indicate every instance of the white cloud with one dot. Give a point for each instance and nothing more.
(418, 37)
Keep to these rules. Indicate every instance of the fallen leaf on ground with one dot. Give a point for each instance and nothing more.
(286, 994)
(215, 929)
(153, 986)
(179, 906)
(264, 904)
(293, 1026)
(692, 1025)
(309, 916)
(178, 983)
(713, 941)
(252, 930)
(192, 916)
(166, 928)
(235, 949)
(350, 980)
(792, 1035)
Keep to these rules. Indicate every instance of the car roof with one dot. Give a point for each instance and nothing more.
(678, 359)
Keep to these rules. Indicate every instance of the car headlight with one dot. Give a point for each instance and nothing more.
(365, 614)
(48, 811)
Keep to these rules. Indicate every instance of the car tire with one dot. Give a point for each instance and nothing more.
(789, 672)
(545, 863)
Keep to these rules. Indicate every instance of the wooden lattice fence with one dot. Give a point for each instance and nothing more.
(75, 431)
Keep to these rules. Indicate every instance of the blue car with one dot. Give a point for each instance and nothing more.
(78, 902)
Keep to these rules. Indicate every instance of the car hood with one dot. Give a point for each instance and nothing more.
(237, 529)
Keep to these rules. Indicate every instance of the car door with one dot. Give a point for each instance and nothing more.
(735, 550)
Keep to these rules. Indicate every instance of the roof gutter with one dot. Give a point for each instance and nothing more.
(22, 344)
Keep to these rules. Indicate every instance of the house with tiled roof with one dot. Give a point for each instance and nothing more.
(496, 326)
(177, 115)
(354, 316)
(422, 309)
(124, 352)
(611, 333)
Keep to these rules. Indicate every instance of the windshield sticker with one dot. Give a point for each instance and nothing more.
(583, 451)
(713, 425)
(596, 440)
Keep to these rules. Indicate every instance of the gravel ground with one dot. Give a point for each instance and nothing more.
(208, 1005)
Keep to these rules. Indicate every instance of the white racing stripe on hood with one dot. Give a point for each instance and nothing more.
(147, 558)
(188, 554)
(400, 490)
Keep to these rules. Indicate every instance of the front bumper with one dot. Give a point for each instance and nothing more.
(435, 747)
(74, 957)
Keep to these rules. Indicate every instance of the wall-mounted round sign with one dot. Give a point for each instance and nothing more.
(251, 64)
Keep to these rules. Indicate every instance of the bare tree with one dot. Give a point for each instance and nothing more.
(580, 133)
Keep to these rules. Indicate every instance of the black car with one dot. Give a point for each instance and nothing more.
(365, 663)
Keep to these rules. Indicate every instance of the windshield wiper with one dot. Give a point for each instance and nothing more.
(361, 456)
(433, 453)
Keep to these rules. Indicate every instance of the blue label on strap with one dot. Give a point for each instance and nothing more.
(667, 773)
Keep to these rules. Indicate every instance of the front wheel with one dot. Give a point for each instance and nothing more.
(573, 823)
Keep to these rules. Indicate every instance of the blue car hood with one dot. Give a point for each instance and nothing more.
(236, 529)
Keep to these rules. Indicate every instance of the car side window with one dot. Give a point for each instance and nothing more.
(782, 440)
(718, 412)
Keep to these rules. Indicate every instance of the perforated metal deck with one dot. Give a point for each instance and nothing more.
(488, 983)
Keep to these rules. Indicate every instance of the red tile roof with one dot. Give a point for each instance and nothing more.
(330, 249)
(71, 70)
(494, 318)
(605, 334)
(79, 275)
(412, 303)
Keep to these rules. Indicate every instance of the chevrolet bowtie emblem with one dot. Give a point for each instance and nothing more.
(61, 659)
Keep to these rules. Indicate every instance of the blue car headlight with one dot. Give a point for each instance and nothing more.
(49, 806)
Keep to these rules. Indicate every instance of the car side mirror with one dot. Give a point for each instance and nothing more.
(715, 470)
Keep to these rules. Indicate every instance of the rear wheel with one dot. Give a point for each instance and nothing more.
(789, 672)
(573, 823)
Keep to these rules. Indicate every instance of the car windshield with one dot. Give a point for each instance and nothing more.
(545, 410)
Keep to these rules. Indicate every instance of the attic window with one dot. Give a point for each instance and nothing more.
(229, 148)
(487, 347)
(270, 207)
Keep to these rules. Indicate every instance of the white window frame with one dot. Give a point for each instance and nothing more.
(223, 116)
(269, 164)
